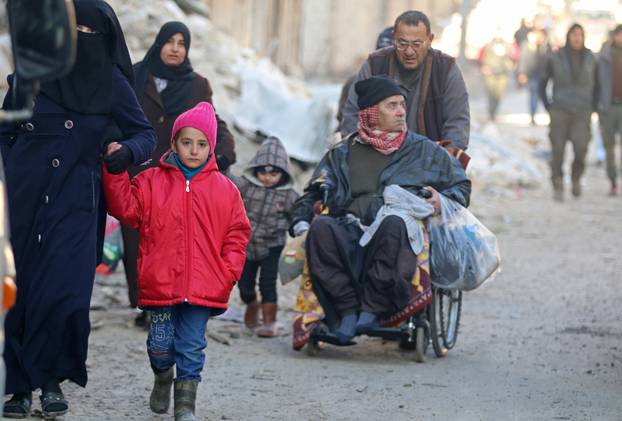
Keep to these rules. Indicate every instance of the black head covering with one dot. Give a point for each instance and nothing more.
(88, 87)
(376, 88)
(179, 87)
(572, 28)
(385, 38)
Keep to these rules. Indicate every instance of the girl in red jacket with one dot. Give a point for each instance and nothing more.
(193, 235)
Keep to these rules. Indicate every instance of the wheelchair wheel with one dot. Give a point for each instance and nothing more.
(444, 317)
(421, 344)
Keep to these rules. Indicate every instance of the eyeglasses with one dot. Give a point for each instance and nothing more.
(403, 45)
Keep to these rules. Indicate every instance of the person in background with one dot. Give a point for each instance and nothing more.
(166, 85)
(522, 33)
(385, 38)
(530, 67)
(496, 67)
(572, 70)
(267, 189)
(193, 233)
(53, 175)
(610, 103)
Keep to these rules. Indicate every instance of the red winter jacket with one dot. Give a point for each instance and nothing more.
(193, 234)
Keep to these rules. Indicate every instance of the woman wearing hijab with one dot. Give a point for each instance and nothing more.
(53, 173)
(166, 86)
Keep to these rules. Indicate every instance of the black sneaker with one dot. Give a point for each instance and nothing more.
(53, 404)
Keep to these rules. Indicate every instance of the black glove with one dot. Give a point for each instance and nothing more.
(119, 161)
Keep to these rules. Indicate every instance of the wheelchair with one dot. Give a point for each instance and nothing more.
(437, 324)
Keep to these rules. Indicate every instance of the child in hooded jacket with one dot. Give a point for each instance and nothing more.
(193, 235)
(266, 187)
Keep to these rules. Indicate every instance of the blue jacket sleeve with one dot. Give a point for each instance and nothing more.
(128, 115)
(447, 176)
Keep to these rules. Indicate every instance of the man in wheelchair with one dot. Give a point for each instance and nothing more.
(360, 287)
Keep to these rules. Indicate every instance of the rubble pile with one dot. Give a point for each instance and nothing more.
(501, 165)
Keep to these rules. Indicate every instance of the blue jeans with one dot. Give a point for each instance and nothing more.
(177, 337)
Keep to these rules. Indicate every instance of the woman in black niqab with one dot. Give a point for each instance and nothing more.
(87, 88)
(53, 183)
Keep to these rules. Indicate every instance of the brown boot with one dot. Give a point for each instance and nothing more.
(251, 315)
(268, 328)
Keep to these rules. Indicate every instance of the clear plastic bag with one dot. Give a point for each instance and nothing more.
(464, 253)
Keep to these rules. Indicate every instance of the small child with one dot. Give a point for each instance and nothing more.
(193, 234)
(266, 186)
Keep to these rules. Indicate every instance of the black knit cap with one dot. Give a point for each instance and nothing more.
(376, 88)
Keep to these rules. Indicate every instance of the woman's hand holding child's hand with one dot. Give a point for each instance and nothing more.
(112, 147)
(118, 158)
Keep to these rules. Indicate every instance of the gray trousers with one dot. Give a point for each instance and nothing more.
(610, 125)
(573, 126)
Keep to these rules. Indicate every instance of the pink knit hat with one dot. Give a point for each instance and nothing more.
(201, 117)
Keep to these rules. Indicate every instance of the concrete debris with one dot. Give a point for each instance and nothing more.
(497, 165)
(193, 6)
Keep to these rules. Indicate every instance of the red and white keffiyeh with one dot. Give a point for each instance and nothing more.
(382, 141)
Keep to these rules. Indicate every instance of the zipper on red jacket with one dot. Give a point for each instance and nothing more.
(188, 239)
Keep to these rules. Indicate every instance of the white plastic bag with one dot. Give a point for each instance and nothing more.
(463, 252)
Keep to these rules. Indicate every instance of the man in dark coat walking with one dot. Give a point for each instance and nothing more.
(610, 103)
(572, 69)
(350, 179)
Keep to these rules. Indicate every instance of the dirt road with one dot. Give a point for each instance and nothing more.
(542, 341)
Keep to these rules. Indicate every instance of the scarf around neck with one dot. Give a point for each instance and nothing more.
(188, 173)
(382, 141)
